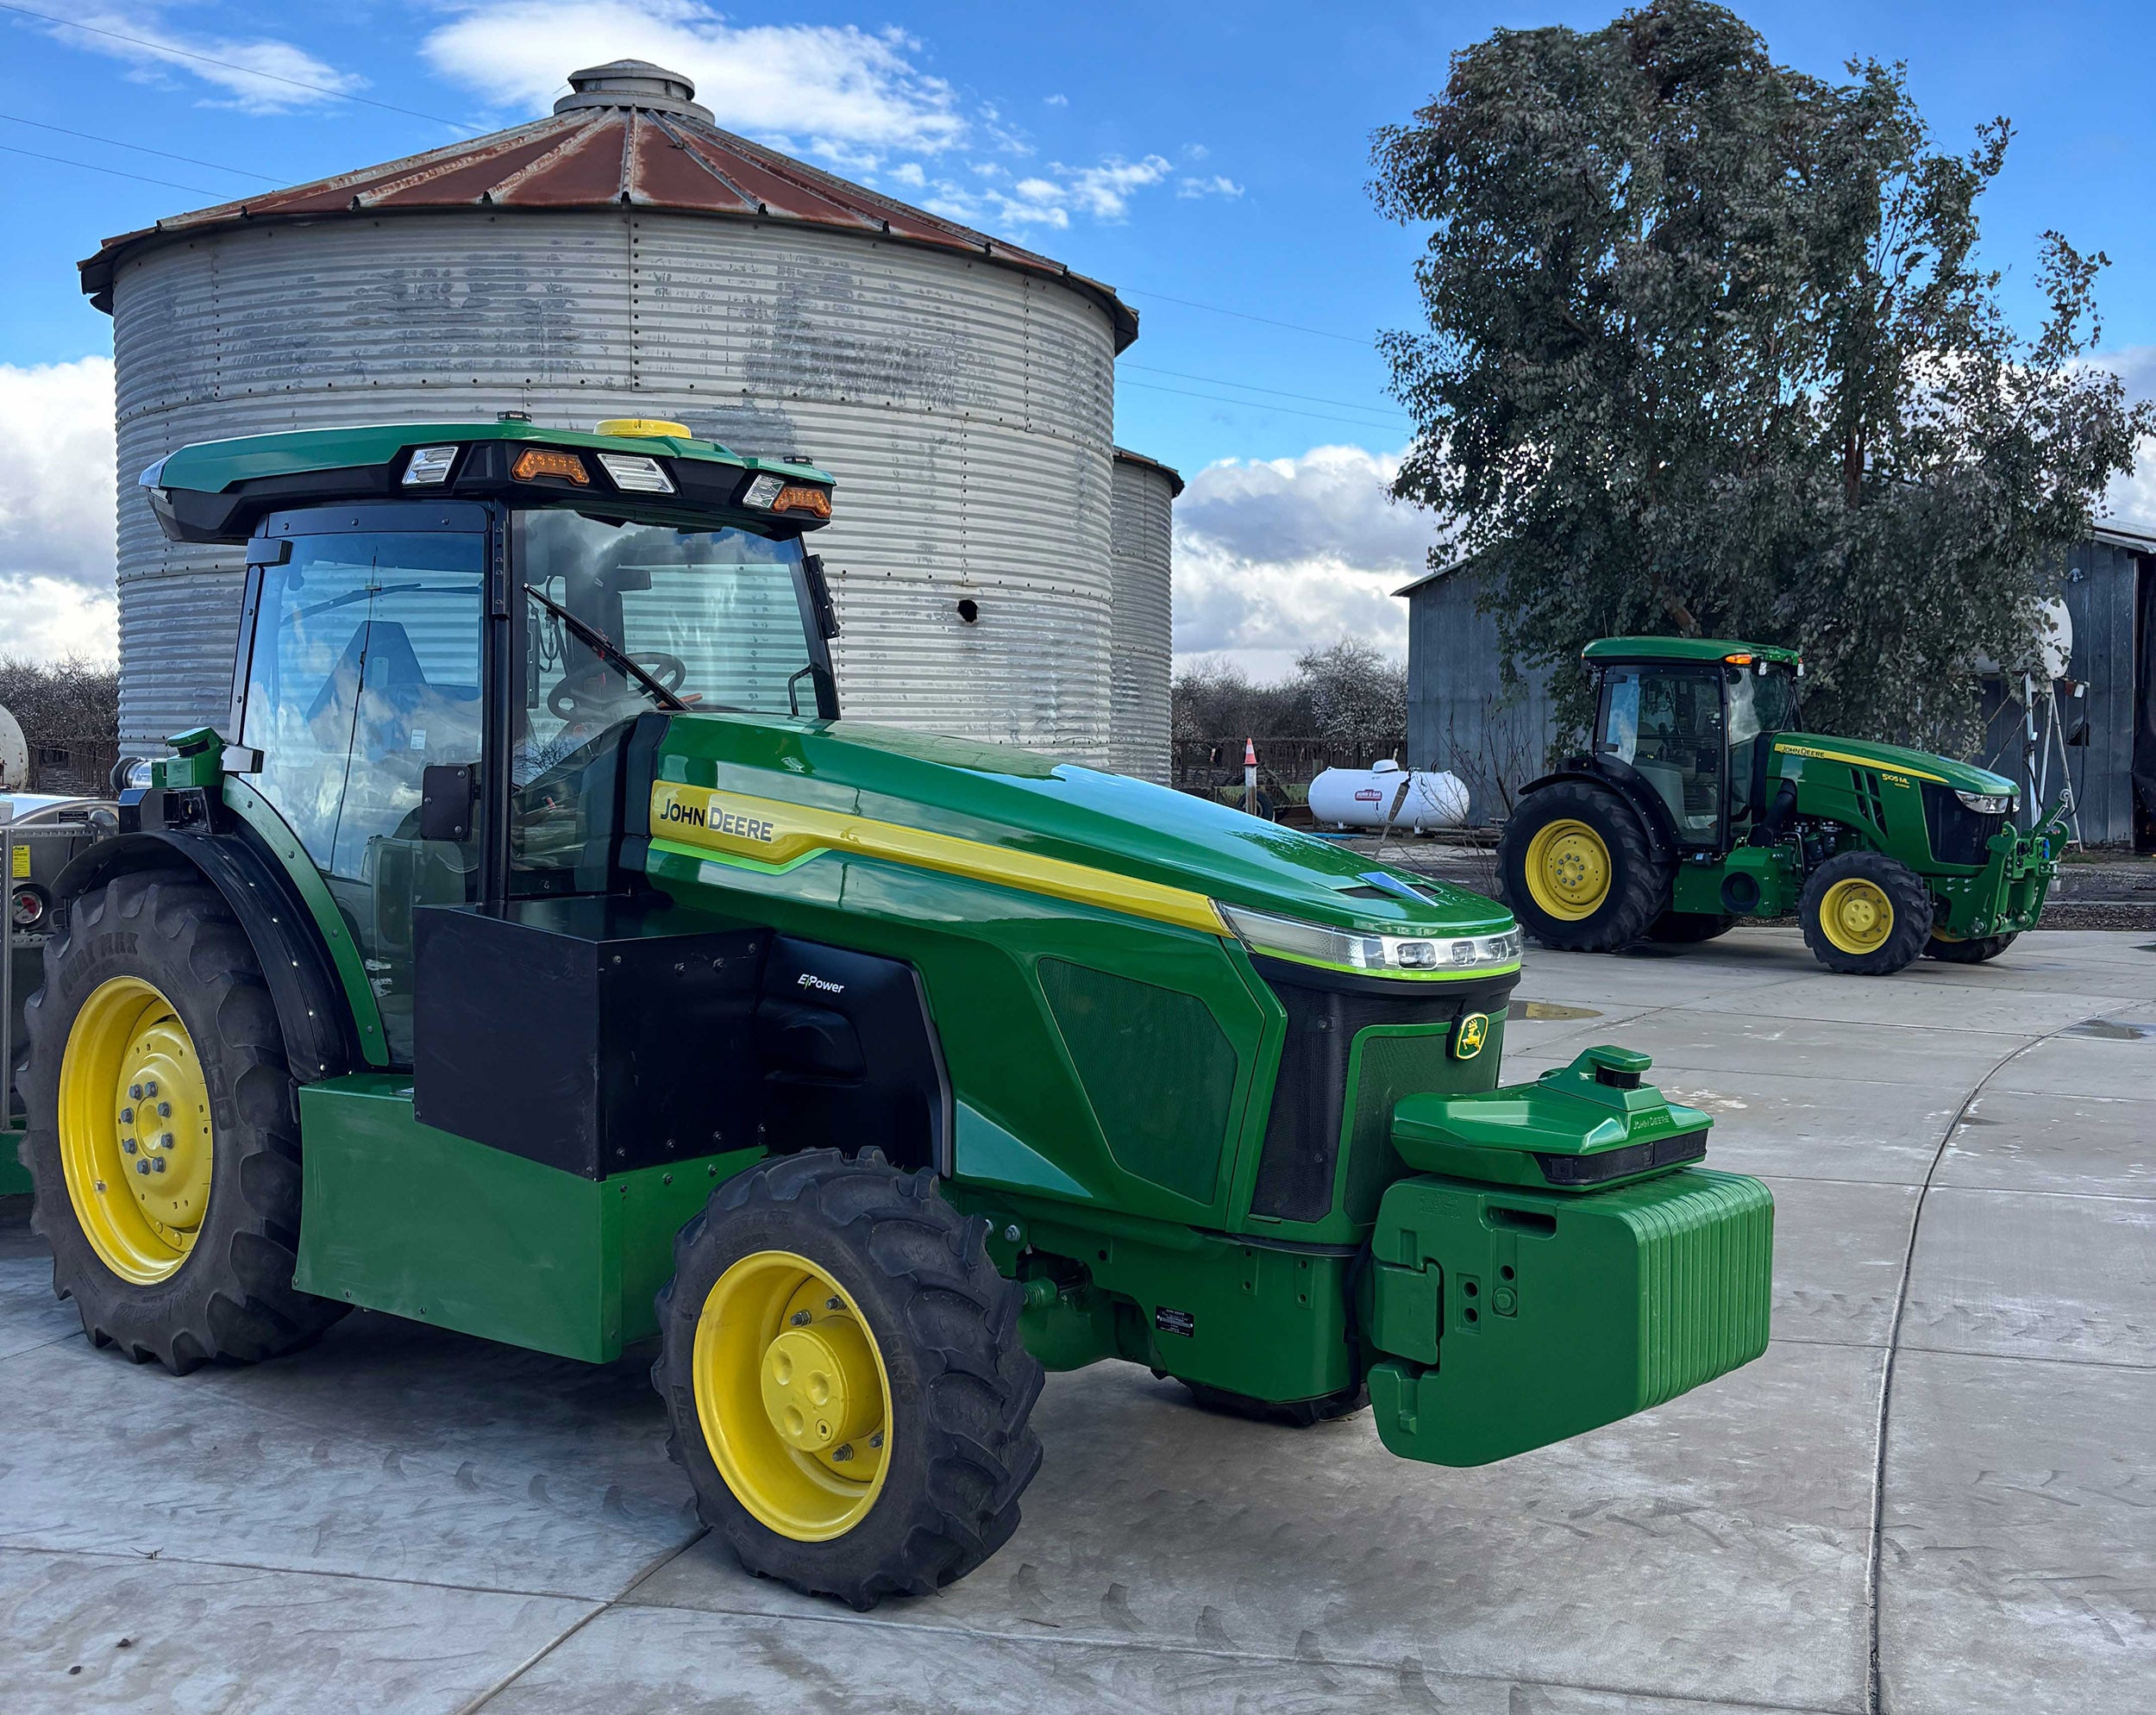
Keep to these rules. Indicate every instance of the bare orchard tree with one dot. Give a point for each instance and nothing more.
(1356, 695)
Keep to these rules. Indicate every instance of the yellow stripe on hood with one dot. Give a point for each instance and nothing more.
(773, 831)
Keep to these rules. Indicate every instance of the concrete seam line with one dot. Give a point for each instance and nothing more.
(1166, 1646)
(1874, 1559)
(658, 1564)
(162, 1557)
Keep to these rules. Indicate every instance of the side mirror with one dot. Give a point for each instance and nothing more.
(447, 792)
(820, 597)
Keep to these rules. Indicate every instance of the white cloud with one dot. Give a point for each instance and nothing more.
(46, 620)
(1105, 191)
(57, 547)
(1276, 556)
(2133, 497)
(56, 481)
(255, 74)
(1057, 100)
(1217, 185)
(842, 86)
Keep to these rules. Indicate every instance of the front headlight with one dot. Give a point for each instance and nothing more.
(1988, 804)
(1382, 955)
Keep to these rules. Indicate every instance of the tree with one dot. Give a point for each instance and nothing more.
(1355, 694)
(1710, 352)
(56, 701)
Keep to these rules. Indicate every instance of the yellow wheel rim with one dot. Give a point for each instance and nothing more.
(1857, 915)
(136, 1141)
(1568, 870)
(792, 1396)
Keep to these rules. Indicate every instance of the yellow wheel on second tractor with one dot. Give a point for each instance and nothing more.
(1577, 865)
(1865, 914)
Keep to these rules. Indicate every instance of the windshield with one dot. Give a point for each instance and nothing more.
(715, 617)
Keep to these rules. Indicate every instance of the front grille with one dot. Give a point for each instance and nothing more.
(1301, 1159)
(1958, 834)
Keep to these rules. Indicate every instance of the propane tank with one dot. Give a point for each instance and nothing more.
(14, 755)
(1361, 797)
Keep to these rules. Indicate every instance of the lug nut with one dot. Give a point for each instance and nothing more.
(801, 1319)
(165, 1141)
(128, 1145)
(142, 1166)
(832, 1304)
(159, 1164)
(127, 1116)
(164, 1109)
(136, 1091)
(149, 1086)
(841, 1453)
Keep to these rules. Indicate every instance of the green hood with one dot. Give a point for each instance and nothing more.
(1919, 765)
(1020, 800)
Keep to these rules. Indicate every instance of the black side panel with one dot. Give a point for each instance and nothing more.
(302, 983)
(849, 1057)
(596, 1034)
(1296, 1168)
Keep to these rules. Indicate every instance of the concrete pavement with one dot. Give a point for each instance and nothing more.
(1965, 1165)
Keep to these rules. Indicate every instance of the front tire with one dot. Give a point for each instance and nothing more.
(841, 1365)
(1576, 867)
(1981, 950)
(162, 1142)
(1865, 915)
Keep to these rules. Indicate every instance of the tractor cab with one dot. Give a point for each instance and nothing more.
(1693, 719)
(439, 668)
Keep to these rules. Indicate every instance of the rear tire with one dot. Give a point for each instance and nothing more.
(158, 959)
(950, 1443)
(1865, 915)
(1686, 926)
(1982, 950)
(1576, 867)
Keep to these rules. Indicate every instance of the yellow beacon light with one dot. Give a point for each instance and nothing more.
(642, 427)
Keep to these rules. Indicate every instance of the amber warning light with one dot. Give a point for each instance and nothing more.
(799, 497)
(537, 461)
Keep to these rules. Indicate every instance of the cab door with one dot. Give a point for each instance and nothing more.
(363, 669)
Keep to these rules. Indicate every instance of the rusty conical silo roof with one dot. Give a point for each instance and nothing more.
(630, 133)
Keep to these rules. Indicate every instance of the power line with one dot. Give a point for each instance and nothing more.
(1259, 405)
(167, 49)
(1244, 316)
(91, 167)
(143, 148)
(1276, 392)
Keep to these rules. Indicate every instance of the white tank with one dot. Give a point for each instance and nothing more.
(1362, 798)
(14, 755)
(626, 258)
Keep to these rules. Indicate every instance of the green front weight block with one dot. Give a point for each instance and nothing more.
(1522, 1294)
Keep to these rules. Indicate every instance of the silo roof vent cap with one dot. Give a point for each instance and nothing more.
(632, 83)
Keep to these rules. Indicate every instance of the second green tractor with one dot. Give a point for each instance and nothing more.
(1703, 802)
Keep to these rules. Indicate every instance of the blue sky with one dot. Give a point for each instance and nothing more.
(1190, 156)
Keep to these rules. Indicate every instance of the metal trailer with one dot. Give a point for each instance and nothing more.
(1141, 630)
(35, 844)
(625, 250)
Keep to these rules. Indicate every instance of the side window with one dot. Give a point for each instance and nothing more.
(1669, 727)
(364, 669)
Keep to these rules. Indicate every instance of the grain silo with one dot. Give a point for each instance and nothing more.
(625, 257)
(1141, 524)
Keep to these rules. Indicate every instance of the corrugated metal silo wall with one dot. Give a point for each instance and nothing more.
(2099, 590)
(1141, 624)
(965, 410)
(1461, 715)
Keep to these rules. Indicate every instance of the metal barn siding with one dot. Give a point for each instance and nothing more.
(2101, 589)
(962, 390)
(1140, 620)
(1460, 715)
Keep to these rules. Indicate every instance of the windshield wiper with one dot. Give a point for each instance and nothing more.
(597, 641)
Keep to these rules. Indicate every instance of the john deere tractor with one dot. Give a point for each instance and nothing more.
(535, 952)
(1703, 803)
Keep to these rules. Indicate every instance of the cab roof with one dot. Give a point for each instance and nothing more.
(1683, 649)
(217, 491)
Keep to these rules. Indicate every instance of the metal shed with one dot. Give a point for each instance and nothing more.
(625, 257)
(1460, 715)
(1141, 531)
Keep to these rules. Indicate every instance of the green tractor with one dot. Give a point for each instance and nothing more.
(1702, 804)
(536, 953)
